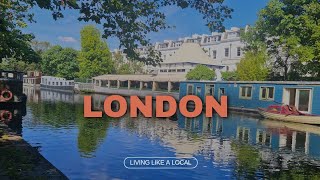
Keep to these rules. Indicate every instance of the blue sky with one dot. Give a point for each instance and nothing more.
(66, 31)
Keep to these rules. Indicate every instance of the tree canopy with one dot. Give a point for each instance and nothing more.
(201, 72)
(129, 21)
(60, 62)
(13, 42)
(290, 29)
(95, 57)
(252, 67)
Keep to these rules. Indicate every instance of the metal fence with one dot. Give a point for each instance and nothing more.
(82, 80)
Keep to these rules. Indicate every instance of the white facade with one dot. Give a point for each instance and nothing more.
(55, 81)
(224, 49)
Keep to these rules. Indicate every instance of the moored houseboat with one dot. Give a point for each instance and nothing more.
(249, 96)
(56, 83)
(32, 78)
(11, 89)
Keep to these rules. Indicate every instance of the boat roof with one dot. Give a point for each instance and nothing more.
(257, 82)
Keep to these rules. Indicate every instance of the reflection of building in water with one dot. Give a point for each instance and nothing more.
(57, 96)
(273, 143)
(33, 94)
(184, 142)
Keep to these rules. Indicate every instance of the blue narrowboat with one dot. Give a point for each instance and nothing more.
(249, 95)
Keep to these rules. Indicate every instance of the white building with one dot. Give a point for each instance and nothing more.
(223, 49)
(50, 82)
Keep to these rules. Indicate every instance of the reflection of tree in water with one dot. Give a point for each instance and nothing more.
(296, 170)
(92, 132)
(56, 114)
(250, 165)
(248, 160)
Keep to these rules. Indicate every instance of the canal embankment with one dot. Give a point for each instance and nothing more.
(18, 159)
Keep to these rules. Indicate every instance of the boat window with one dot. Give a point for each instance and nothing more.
(266, 93)
(210, 89)
(190, 89)
(198, 91)
(245, 92)
(10, 75)
(304, 100)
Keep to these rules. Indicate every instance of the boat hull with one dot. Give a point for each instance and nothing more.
(290, 118)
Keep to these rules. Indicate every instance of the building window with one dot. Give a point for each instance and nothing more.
(214, 54)
(238, 51)
(266, 93)
(226, 52)
(245, 92)
(190, 89)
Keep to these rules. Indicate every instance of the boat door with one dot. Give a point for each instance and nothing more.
(300, 98)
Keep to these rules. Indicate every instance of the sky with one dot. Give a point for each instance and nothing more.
(66, 31)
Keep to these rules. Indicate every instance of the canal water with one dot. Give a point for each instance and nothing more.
(237, 147)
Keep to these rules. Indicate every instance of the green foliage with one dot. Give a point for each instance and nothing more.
(248, 160)
(290, 30)
(252, 67)
(40, 46)
(60, 62)
(95, 58)
(201, 72)
(230, 76)
(131, 21)
(124, 69)
(130, 67)
(14, 44)
(18, 65)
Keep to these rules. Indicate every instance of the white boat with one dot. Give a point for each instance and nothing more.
(280, 113)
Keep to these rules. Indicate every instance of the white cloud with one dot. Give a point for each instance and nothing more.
(67, 39)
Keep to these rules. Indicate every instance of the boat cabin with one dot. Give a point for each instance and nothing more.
(11, 86)
(251, 95)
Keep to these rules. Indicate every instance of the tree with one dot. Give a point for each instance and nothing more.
(252, 67)
(129, 67)
(60, 62)
(290, 30)
(14, 44)
(230, 76)
(95, 58)
(124, 69)
(201, 72)
(131, 21)
(18, 65)
(40, 46)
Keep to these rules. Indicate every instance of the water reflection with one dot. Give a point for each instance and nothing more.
(235, 147)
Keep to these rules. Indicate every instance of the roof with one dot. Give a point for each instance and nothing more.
(144, 77)
(190, 52)
(260, 82)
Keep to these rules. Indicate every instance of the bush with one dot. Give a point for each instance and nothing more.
(230, 76)
(201, 72)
